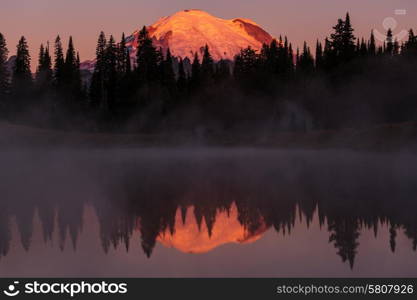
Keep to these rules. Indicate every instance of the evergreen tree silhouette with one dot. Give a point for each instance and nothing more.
(4, 74)
(59, 65)
(372, 44)
(348, 40)
(195, 79)
(410, 47)
(363, 49)
(342, 41)
(146, 58)
(110, 77)
(123, 58)
(125, 84)
(21, 87)
(97, 86)
(44, 73)
(207, 66)
(305, 63)
(246, 65)
(71, 79)
(182, 80)
(319, 56)
(389, 50)
(168, 75)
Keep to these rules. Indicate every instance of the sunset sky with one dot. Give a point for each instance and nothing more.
(42, 20)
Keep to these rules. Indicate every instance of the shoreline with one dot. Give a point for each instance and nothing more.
(393, 137)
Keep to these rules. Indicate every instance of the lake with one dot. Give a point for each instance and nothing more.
(207, 212)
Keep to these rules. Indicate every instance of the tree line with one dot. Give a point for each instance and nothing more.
(346, 82)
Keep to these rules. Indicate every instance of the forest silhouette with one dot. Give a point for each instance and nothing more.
(347, 82)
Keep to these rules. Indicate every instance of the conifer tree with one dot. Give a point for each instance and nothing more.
(363, 50)
(97, 85)
(182, 79)
(272, 58)
(343, 41)
(348, 39)
(207, 66)
(336, 38)
(389, 43)
(59, 64)
(396, 47)
(125, 85)
(168, 75)
(123, 58)
(70, 63)
(246, 65)
(195, 73)
(319, 55)
(44, 72)
(305, 64)
(22, 75)
(110, 76)
(71, 85)
(4, 72)
(372, 44)
(147, 58)
(410, 47)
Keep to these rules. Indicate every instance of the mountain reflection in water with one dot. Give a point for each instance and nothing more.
(198, 201)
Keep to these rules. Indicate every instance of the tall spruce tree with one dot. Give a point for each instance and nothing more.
(363, 49)
(372, 44)
(319, 55)
(195, 79)
(72, 84)
(168, 75)
(4, 72)
(207, 66)
(59, 65)
(305, 65)
(125, 84)
(147, 58)
(123, 58)
(246, 67)
(22, 76)
(44, 72)
(110, 76)
(348, 40)
(389, 50)
(182, 79)
(342, 41)
(97, 86)
(410, 47)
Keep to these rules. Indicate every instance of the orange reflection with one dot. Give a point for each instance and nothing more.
(188, 238)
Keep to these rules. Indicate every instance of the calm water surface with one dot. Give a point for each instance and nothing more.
(207, 212)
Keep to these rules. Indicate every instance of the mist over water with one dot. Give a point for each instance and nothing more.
(207, 212)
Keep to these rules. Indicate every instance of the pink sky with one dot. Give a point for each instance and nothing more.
(300, 20)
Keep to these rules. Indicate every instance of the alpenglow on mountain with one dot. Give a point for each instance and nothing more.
(187, 32)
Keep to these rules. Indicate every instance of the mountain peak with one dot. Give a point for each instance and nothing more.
(187, 32)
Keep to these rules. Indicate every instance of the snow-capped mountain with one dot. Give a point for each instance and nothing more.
(188, 31)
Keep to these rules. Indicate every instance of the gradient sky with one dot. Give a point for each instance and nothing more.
(42, 20)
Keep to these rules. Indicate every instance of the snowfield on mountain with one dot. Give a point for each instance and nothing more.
(187, 32)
